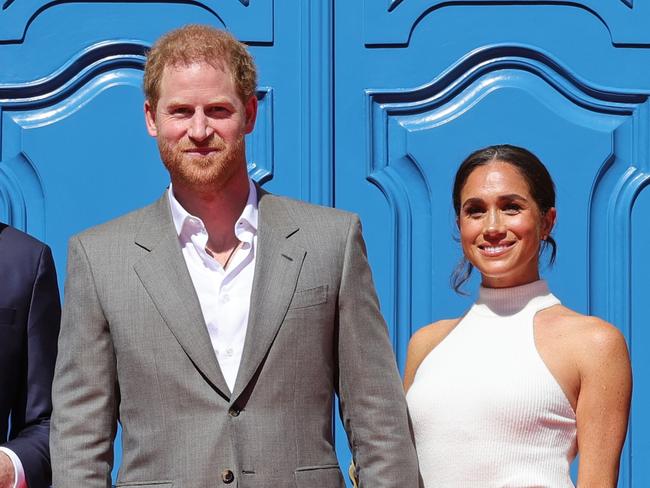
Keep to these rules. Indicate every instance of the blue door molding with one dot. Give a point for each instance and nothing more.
(423, 83)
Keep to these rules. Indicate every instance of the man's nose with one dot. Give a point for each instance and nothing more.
(199, 128)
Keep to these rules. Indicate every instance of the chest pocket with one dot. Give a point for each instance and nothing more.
(309, 297)
(7, 316)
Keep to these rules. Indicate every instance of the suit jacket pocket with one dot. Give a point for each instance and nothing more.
(145, 484)
(7, 316)
(326, 476)
(309, 297)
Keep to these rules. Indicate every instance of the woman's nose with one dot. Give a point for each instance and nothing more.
(494, 225)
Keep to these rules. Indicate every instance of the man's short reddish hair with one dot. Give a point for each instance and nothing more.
(199, 44)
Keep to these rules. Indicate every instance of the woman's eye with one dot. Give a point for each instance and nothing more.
(512, 209)
(473, 212)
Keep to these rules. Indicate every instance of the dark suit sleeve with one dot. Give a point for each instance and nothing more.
(371, 396)
(31, 416)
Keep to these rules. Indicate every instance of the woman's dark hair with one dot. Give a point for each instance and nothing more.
(538, 179)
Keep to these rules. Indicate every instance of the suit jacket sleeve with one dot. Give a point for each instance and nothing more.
(371, 396)
(31, 413)
(84, 391)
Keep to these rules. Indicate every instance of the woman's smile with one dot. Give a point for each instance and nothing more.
(492, 250)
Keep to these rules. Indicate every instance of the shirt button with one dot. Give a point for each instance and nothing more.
(225, 299)
(227, 476)
(229, 351)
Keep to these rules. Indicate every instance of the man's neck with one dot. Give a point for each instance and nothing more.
(218, 209)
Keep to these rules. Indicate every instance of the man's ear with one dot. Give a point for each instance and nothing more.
(251, 114)
(150, 119)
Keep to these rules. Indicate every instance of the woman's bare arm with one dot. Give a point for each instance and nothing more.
(603, 402)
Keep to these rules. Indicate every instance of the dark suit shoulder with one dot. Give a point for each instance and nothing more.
(11, 236)
(19, 252)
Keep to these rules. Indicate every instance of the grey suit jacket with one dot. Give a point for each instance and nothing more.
(134, 347)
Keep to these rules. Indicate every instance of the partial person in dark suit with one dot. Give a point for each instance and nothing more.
(30, 313)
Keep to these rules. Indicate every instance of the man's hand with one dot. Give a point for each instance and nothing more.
(7, 473)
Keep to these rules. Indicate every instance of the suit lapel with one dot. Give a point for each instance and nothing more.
(277, 266)
(164, 274)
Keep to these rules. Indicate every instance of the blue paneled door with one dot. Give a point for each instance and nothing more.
(367, 105)
(419, 84)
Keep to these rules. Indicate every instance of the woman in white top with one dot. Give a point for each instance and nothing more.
(506, 395)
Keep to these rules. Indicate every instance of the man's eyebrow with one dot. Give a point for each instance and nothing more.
(174, 102)
(213, 101)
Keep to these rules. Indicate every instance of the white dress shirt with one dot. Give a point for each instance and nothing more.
(224, 294)
(19, 471)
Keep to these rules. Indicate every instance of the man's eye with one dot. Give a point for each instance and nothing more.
(216, 111)
(181, 111)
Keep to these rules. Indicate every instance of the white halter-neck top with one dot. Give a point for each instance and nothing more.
(486, 410)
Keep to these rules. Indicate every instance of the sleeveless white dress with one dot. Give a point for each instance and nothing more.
(486, 410)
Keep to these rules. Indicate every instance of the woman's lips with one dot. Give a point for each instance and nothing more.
(493, 250)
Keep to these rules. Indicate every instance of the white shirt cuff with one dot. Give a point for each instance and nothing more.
(19, 479)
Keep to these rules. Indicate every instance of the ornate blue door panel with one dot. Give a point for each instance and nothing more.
(392, 22)
(420, 84)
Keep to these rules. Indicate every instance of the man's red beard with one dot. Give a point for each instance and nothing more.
(213, 170)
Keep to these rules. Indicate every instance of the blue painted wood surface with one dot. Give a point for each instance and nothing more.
(419, 84)
(368, 106)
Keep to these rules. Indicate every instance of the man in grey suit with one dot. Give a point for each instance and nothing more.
(217, 323)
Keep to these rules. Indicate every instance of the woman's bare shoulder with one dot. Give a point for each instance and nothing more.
(431, 335)
(422, 343)
(587, 334)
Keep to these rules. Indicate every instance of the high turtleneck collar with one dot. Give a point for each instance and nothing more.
(509, 301)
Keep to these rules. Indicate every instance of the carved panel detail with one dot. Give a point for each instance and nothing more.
(259, 145)
(22, 201)
(408, 153)
(251, 21)
(393, 23)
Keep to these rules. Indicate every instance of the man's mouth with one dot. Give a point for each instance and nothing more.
(201, 150)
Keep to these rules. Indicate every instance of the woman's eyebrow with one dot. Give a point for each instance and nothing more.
(472, 201)
(512, 196)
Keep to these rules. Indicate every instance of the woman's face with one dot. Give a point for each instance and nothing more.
(501, 225)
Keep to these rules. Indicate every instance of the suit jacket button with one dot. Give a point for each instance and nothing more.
(234, 411)
(227, 476)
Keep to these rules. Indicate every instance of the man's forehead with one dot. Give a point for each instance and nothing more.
(182, 80)
(192, 72)
(182, 65)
